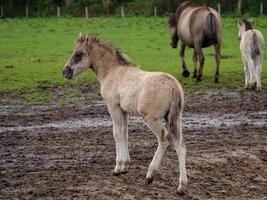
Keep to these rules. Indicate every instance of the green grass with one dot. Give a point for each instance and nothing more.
(34, 51)
(35, 98)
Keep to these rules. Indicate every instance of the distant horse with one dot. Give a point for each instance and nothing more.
(126, 89)
(252, 50)
(197, 27)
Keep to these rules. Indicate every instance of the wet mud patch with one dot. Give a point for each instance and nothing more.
(69, 152)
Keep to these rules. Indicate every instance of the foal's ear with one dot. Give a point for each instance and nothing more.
(87, 38)
(81, 38)
(251, 20)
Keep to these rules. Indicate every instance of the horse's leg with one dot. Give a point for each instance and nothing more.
(258, 74)
(163, 138)
(179, 146)
(186, 73)
(120, 133)
(246, 72)
(201, 62)
(218, 60)
(195, 59)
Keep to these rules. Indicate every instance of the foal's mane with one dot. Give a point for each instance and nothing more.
(109, 47)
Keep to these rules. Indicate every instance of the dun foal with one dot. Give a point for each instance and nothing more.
(126, 89)
(252, 50)
(197, 27)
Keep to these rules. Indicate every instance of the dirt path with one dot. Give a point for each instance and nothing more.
(68, 153)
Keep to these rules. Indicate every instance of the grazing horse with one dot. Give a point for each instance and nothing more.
(252, 50)
(197, 27)
(126, 89)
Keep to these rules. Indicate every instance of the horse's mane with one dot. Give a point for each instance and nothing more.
(248, 24)
(181, 8)
(109, 47)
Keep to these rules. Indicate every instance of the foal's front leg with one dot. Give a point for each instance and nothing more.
(120, 133)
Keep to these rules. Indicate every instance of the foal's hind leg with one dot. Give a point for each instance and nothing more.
(185, 73)
(163, 138)
(180, 149)
(120, 133)
(246, 72)
(218, 60)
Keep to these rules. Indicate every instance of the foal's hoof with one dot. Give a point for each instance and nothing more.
(116, 173)
(186, 73)
(181, 191)
(124, 171)
(149, 180)
(252, 85)
(182, 187)
(258, 89)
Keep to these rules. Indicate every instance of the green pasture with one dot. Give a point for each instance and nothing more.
(34, 51)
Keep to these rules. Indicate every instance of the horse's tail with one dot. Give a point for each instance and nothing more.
(211, 28)
(174, 117)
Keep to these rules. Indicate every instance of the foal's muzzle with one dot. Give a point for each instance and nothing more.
(67, 72)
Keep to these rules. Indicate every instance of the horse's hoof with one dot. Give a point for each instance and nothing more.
(186, 73)
(149, 180)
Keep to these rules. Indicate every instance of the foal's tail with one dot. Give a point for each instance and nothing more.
(256, 52)
(174, 118)
(211, 28)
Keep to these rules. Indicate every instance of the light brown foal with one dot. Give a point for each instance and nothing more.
(126, 89)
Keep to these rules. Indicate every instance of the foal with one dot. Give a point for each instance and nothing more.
(126, 89)
(252, 50)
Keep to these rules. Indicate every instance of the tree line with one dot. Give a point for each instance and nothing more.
(39, 8)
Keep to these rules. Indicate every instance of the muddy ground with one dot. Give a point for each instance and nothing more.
(55, 152)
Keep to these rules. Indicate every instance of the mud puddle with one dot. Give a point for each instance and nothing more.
(190, 121)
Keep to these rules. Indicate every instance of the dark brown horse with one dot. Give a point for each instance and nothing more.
(197, 27)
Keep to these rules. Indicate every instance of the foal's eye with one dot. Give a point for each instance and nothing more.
(78, 56)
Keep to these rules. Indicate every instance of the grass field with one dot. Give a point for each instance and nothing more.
(34, 51)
